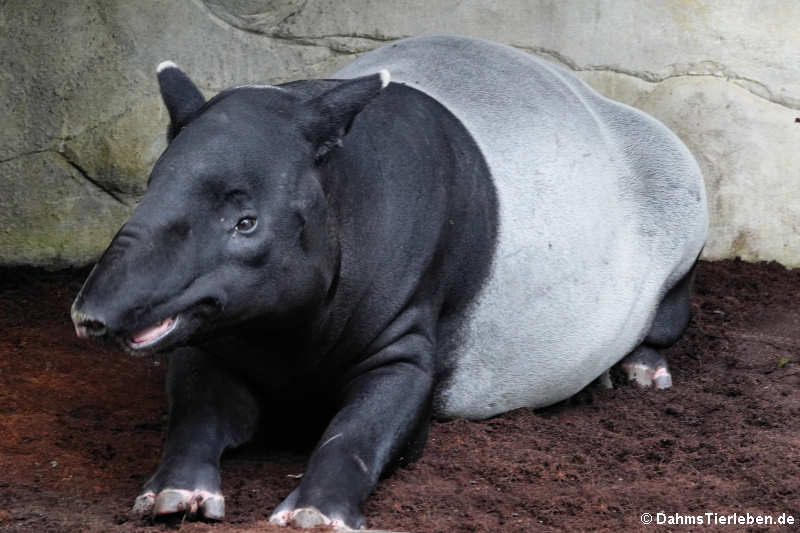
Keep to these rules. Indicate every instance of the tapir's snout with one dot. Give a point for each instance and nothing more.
(123, 299)
(134, 299)
(93, 325)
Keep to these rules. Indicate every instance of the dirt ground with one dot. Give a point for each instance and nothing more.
(81, 429)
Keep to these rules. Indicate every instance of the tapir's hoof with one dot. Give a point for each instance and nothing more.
(306, 518)
(195, 504)
(646, 376)
(647, 367)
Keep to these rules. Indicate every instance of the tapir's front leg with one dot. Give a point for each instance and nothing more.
(384, 403)
(210, 410)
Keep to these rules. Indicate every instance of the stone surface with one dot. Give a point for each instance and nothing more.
(747, 148)
(52, 215)
(80, 99)
(78, 79)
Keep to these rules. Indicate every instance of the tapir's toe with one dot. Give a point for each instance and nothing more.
(213, 508)
(662, 379)
(143, 506)
(195, 504)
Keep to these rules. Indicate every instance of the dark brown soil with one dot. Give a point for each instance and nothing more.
(81, 429)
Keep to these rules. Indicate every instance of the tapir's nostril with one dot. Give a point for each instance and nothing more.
(86, 324)
(90, 328)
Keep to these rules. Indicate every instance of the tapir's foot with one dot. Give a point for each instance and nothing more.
(647, 368)
(306, 517)
(195, 504)
(287, 514)
(188, 488)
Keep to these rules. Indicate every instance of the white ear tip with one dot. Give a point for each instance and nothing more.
(165, 65)
(385, 78)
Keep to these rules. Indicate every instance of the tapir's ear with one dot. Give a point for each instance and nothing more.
(180, 95)
(335, 109)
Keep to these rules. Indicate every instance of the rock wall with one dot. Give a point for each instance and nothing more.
(82, 121)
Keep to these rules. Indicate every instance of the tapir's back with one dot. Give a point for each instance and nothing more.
(601, 211)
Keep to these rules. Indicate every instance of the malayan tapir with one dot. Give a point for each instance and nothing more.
(482, 233)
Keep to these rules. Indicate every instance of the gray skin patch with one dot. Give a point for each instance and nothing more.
(601, 208)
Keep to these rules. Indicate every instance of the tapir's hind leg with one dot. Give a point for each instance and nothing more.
(209, 411)
(645, 365)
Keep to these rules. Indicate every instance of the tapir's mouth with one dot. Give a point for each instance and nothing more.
(155, 333)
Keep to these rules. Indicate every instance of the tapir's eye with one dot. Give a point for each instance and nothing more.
(246, 224)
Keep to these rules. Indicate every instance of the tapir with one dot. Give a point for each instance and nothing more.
(446, 227)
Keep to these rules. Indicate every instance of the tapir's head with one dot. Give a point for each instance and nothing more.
(235, 225)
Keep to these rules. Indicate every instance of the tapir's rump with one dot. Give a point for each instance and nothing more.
(602, 210)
